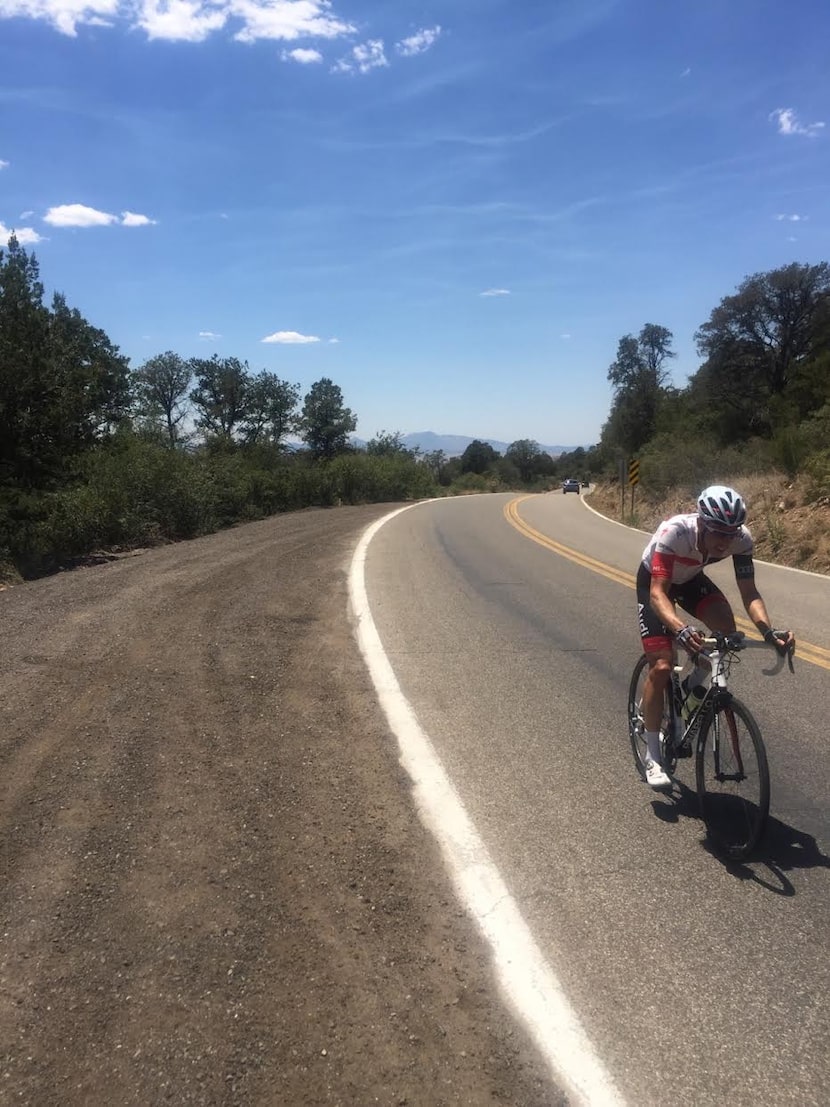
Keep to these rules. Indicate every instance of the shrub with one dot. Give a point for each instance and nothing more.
(817, 471)
(364, 478)
(476, 482)
(791, 447)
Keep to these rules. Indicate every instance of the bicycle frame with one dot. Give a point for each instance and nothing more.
(719, 650)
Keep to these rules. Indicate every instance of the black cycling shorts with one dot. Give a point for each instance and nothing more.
(694, 596)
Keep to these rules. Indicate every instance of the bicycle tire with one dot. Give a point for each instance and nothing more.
(636, 726)
(732, 777)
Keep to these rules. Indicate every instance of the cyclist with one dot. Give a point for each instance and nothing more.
(671, 573)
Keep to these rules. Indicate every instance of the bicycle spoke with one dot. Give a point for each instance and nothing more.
(636, 723)
(733, 780)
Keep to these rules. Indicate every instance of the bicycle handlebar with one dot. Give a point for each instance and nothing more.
(738, 641)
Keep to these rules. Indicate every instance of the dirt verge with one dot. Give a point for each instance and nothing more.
(215, 888)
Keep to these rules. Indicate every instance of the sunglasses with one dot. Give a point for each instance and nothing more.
(721, 532)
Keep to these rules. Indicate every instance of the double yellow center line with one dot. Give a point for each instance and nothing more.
(805, 651)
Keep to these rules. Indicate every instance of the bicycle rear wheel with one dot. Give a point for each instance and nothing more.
(732, 779)
(636, 724)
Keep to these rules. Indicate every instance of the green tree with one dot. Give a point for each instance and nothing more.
(325, 422)
(756, 342)
(24, 336)
(386, 444)
(478, 457)
(160, 388)
(810, 388)
(271, 410)
(222, 394)
(63, 384)
(93, 379)
(436, 462)
(528, 457)
(639, 376)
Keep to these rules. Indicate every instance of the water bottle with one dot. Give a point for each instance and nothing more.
(692, 698)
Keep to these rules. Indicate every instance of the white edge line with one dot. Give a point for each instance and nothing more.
(772, 564)
(523, 973)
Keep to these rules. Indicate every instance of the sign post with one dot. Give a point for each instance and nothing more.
(633, 478)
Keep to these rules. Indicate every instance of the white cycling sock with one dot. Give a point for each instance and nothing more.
(652, 738)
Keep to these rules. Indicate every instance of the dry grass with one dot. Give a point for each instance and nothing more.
(786, 529)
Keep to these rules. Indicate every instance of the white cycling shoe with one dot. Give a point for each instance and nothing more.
(656, 775)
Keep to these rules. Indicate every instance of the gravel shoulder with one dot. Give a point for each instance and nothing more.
(215, 887)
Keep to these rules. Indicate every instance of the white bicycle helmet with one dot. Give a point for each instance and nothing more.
(721, 506)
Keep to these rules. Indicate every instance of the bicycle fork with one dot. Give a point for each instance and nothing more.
(734, 742)
(722, 699)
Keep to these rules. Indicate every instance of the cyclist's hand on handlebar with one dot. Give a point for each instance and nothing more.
(690, 639)
(782, 640)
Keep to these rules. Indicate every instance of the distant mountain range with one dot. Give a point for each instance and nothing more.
(454, 445)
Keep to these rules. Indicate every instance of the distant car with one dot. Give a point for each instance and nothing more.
(570, 485)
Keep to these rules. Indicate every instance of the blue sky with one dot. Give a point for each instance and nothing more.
(454, 210)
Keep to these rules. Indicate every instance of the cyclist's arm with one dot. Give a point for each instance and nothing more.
(756, 609)
(663, 606)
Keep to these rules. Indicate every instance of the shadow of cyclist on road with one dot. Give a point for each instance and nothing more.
(680, 803)
(782, 849)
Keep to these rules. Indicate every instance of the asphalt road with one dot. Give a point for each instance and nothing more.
(697, 982)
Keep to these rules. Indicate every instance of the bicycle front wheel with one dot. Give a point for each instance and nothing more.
(732, 779)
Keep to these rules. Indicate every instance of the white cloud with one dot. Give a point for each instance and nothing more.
(419, 42)
(289, 338)
(304, 57)
(287, 20)
(26, 236)
(64, 15)
(209, 336)
(78, 215)
(3, 164)
(334, 341)
(247, 20)
(495, 292)
(180, 20)
(566, 335)
(26, 214)
(189, 20)
(788, 123)
(790, 218)
(368, 55)
(133, 219)
(686, 72)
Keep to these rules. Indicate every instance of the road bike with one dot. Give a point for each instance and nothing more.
(731, 771)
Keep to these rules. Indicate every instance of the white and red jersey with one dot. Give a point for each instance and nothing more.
(673, 554)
